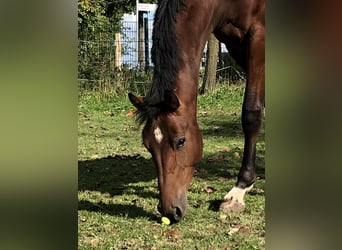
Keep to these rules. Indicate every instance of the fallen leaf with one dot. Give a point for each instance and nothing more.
(233, 230)
(196, 205)
(93, 241)
(209, 189)
(94, 156)
(83, 219)
(130, 113)
(242, 229)
(216, 128)
(223, 217)
(210, 159)
(236, 155)
(225, 149)
(172, 234)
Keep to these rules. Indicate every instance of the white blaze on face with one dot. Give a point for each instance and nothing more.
(158, 135)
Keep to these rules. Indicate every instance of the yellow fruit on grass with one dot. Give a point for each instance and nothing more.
(165, 220)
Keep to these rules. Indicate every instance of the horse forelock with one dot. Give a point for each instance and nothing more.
(164, 57)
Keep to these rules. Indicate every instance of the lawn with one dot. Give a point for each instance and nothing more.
(117, 184)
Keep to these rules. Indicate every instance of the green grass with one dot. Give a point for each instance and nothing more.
(118, 191)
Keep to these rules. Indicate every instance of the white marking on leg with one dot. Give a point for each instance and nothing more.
(158, 135)
(237, 194)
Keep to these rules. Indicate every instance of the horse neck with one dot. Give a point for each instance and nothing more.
(191, 41)
(186, 86)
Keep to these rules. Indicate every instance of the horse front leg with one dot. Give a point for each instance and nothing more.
(251, 123)
(252, 116)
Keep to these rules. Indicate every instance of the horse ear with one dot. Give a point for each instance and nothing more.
(137, 101)
(171, 101)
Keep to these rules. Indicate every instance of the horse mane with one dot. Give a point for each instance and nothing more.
(164, 58)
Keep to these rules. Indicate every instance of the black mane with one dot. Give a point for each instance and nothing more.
(164, 58)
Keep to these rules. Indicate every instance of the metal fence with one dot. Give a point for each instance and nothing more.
(124, 62)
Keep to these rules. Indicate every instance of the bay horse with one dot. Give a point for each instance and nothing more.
(168, 111)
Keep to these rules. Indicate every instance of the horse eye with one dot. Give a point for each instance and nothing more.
(180, 142)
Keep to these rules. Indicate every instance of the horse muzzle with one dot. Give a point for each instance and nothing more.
(174, 211)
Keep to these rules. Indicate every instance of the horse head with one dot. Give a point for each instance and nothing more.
(175, 143)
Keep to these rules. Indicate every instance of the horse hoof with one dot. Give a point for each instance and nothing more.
(232, 206)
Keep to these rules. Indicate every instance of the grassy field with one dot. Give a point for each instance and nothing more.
(118, 191)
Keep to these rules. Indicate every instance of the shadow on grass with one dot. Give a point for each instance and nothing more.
(225, 163)
(116, 175)
(214, 205)
(113, 174)
(120, 210)
(222, 128)
(225, 128)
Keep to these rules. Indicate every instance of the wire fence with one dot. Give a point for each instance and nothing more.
(124, 62)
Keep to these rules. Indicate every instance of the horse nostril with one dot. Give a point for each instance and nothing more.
(177, 213)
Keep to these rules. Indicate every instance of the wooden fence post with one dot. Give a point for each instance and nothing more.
(117, 54)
